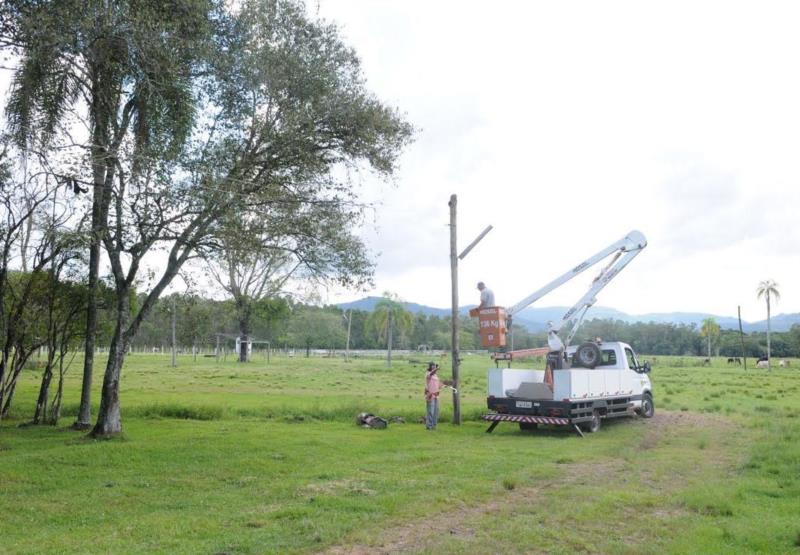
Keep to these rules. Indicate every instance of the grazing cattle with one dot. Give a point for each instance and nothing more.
(707, 362)
(730, 360)
(762, 364)
(784, 363)
(735, 360)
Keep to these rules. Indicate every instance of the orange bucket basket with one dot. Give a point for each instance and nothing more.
(492, 325)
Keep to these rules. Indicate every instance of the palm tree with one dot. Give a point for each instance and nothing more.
(709, 330)
(768, 289)
(388, 315)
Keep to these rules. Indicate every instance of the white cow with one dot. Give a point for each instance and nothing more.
(784, 363)
(762, 364)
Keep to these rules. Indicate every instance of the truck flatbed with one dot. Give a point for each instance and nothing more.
(578, 397)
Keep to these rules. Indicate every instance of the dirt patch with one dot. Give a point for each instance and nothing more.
(426, 534)
(338, 487)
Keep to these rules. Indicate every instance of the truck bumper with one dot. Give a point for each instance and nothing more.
(557, 413)
(526, 419)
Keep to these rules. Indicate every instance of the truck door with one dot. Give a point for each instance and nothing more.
(632, 362)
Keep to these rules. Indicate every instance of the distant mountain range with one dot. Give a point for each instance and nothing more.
(535, 319)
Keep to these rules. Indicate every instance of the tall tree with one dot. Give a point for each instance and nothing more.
(285, 114)
(22, 294)
(768, 289)
(194, 319)
(274, 106)
(388, 316)
(255, 260)
(128, 66)
(710, 330)
(310, 327)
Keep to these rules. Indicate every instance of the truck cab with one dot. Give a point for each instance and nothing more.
(617, 385)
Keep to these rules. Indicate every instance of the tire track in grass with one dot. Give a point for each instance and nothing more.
(464, 526)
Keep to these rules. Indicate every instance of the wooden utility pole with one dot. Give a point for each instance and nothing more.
(389, 351)
(454, 314)
(741, 336)
(174, 361)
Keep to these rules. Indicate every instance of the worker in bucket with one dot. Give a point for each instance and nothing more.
(487, 296)
(433, 385)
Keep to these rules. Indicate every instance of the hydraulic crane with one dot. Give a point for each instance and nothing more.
(623, 251)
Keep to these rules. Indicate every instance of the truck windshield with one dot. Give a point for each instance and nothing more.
(607, 358)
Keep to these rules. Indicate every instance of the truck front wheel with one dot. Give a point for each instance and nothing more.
(648, 408)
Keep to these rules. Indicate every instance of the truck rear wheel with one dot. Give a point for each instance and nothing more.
(592, 425)
(587, 355)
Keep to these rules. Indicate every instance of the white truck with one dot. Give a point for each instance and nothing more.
(580, 385)
(579, 397)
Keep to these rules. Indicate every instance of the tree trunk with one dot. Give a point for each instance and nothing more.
(769, 330)
(108, 418)
(11, 381)
(55, 408)
(708, 341)
(243, 309)
(244, 338)
(40, 415)
(4, 368)
(17, 365)
(100, 140)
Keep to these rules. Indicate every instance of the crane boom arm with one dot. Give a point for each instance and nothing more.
(624, 250)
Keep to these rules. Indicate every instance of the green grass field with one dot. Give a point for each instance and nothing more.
(261, 458)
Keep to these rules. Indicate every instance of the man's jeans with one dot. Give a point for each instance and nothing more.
(432, 414)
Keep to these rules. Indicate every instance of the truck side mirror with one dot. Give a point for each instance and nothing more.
(646, 367)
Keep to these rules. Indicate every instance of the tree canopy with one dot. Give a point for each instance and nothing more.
(201, 116)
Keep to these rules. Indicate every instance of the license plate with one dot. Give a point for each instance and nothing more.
(524, 404)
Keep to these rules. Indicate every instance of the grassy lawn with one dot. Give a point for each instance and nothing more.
(266, 458)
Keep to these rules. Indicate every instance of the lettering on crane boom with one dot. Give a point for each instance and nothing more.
(580, 267)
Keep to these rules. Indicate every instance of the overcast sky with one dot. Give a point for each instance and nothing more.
(567, 124)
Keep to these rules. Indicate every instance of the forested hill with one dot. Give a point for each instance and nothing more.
(535, 318)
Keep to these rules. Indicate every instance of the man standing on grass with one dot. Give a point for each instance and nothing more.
(433, 385)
